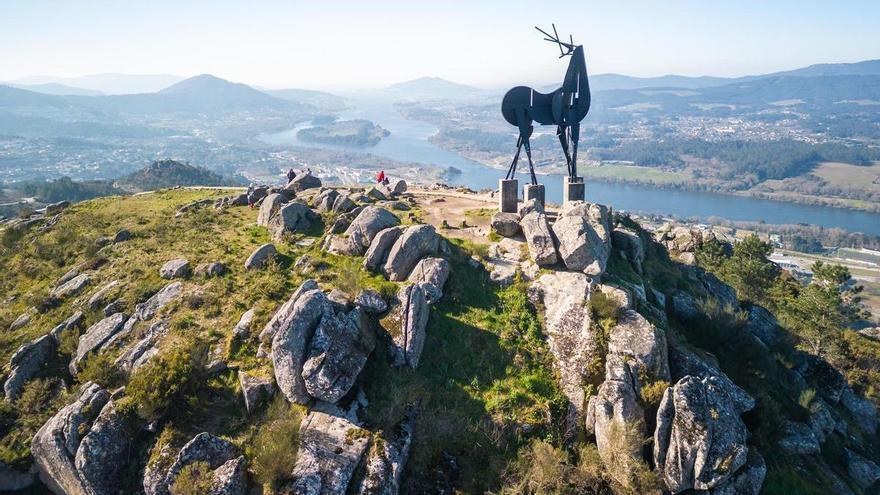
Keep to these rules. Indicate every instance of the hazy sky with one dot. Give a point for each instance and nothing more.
(341, 43)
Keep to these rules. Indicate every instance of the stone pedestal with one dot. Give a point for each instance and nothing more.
(508, 195)
(572, 189)
(534, 191)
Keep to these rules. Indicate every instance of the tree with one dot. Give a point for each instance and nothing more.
(749, 270)
(819, 312)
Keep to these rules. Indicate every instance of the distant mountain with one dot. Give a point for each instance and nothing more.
(317, 99)
(600, 82)
(56, 89)
(865, 68)
(203, 94)
(112, 84)
(433, 88)
(170, 173)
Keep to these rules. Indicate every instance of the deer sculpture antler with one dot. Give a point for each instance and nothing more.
(554, 38)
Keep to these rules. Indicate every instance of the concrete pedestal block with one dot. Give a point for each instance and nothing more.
(508, 195)
(572, 189)
(534, 191)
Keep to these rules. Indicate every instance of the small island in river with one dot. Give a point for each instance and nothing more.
(344, 132)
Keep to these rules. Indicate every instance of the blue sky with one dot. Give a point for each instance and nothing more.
(341, 43)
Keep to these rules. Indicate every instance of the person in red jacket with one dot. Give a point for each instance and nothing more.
(380, 177)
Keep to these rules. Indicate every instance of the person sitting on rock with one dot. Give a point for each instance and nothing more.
(291, 174)
(380, 177)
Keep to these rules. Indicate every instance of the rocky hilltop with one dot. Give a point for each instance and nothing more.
(383, 340)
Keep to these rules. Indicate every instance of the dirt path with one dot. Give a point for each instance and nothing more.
(475, 210)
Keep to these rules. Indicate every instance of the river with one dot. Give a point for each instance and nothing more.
(409, 142)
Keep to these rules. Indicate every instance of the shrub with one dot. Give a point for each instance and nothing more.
(99, 368)
(806, 398)
(348, 280)
(193, 479)
(274, 447)
(652, 393)
(542, 468)
(173, 374)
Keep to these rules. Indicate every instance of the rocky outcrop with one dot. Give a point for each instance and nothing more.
(405, 324)
(387, 458)
(270, 207)
(397, 187)
(332, 446)
(764, 326)
(100, 297)
(74, 321)
(292, 217)
(862, 410)
(324, 200)
(302, 182)
(290, 343)
(539, 238)
(98, 456)
(260, 256)
(416, 242)
(360, 234)
(343, 204)
(256, 390)
(337, 354)
(318, 350)
(630, 245)
(529, 206)
(228, 474)
(564, 296)
(243, 328)
(700, 440)
(798, 438)
(431, 274)
(748, 480)
(641, 344)
(121, 235)
(78, 451)
(148, 309)
(684, 362)
(508, 257)
(583, 232)
(95, 337)
(505, 224)
(371, 302)
(177, 268)
(143, 350)
(617, 419)
(213, 269)
(283, 314)
(72, 287)
(861, 470)
(683, 306)
(22, 319)
(28, 360)
(377, 253)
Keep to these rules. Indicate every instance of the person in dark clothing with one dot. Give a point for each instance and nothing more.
(250, 195)
(291, 174)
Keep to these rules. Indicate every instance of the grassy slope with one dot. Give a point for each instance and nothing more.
(484, 379)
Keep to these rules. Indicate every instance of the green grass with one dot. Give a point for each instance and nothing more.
(485, 376)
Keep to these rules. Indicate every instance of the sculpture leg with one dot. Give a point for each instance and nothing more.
(531, 165)
(575, 134)
(562, 134)
(511, 171)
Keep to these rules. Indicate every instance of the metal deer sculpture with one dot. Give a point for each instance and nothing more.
(565, 107)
